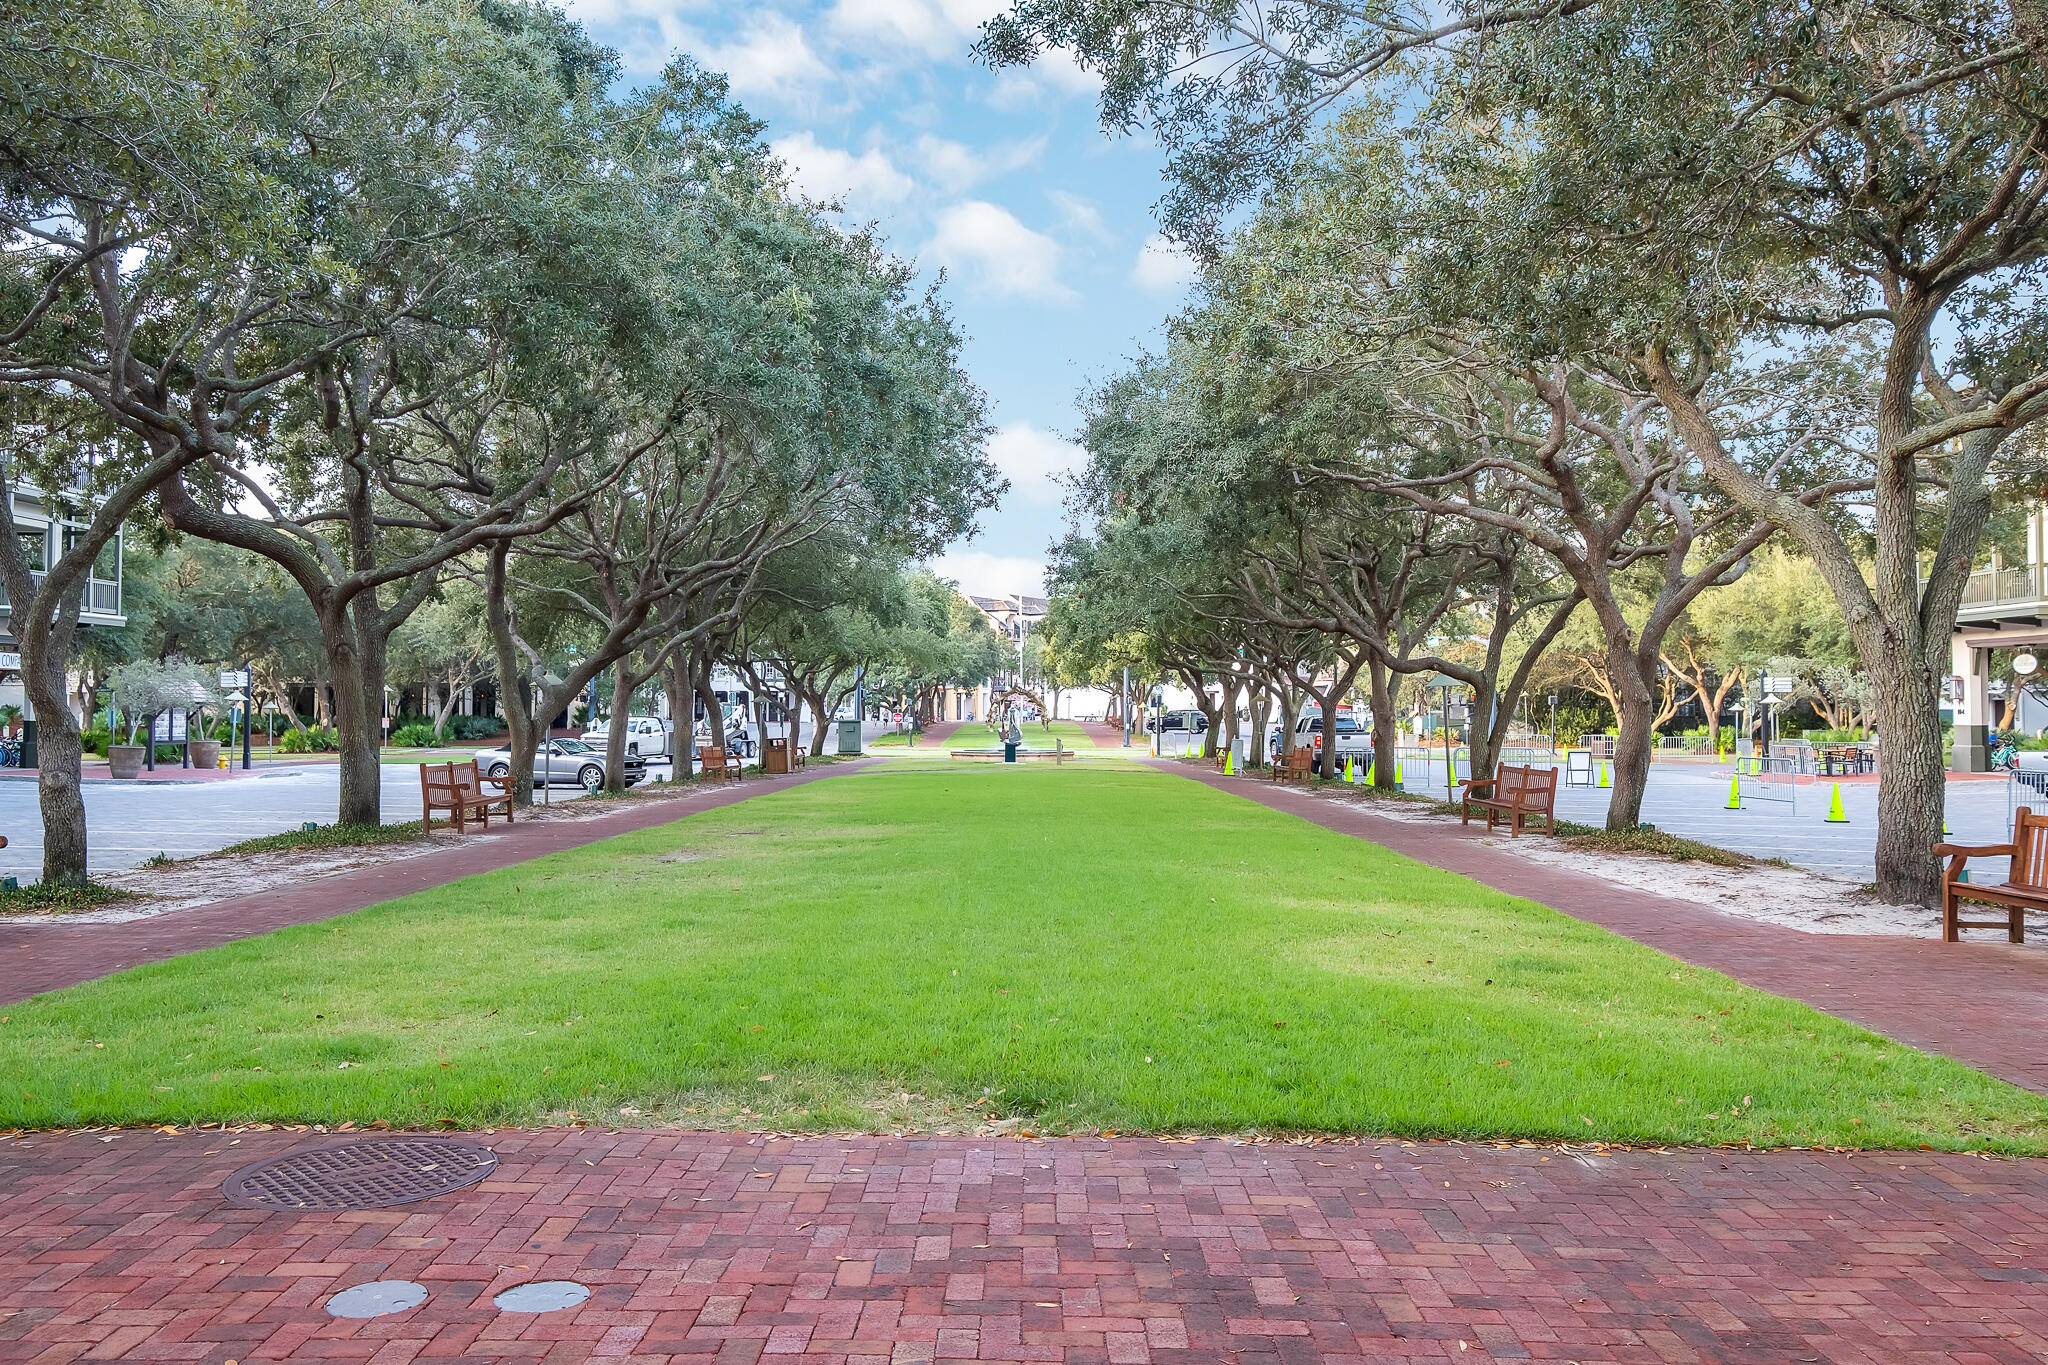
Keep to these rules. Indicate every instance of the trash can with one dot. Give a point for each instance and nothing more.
(849, 736)
(1009, 752)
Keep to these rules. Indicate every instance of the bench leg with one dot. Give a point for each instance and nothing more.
(1949, 932)
(2017, 925)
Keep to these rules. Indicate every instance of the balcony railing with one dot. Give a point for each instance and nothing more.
(102, 598)
(1996, 587)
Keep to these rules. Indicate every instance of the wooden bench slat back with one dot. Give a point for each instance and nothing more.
(1518, 784)
(2029, 850)
(711, 755)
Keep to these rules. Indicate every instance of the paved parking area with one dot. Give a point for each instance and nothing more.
(131, 822)
(1691, 799)
(704, 1247)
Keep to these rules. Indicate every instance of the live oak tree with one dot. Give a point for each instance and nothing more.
(160, 285)
(1732, 179)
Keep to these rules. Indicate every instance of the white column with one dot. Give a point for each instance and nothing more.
(1972, 707)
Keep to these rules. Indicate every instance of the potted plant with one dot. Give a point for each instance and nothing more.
(145, 689)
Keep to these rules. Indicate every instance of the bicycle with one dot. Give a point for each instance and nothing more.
(10, 753)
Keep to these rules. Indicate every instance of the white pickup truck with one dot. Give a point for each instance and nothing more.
(647, 736)
(1353, 737)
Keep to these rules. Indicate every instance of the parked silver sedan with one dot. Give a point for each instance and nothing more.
(562, 762)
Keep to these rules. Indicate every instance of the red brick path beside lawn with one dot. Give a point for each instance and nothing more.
(45, 957)
(706, 1247)
(1981, 1003)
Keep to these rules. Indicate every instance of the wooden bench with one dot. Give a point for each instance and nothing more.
(1515, 792)
(1295, 766)
(800, 754)
(458, 788)
(722, 765)
(2025, 886)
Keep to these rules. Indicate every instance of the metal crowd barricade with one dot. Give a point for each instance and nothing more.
(2024, 786)
(1769, 778)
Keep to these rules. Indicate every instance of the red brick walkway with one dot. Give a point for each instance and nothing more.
(702, 1248)
(44, 957)
(1981, 1003)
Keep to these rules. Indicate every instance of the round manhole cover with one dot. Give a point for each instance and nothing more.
(368, 1173)
(376, 1299)
(541, 1296)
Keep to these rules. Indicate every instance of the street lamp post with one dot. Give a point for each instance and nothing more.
(249, 695)
(1123, 704)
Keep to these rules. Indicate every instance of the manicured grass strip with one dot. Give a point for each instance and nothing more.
(913, 945)
(328, 836)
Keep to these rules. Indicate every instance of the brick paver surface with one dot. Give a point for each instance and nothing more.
(1979, 1002)
(704, 1247)
(44, 957)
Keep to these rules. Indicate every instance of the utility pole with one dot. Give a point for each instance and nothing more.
(248, 706)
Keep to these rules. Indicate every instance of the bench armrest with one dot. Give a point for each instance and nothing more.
(1973, 850)
(1472, 787)
(504, 784)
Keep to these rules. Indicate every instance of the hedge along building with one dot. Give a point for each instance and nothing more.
(2005, 607)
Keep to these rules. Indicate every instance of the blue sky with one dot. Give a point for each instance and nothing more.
(1005, 180)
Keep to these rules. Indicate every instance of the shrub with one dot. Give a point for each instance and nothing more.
(318, 739)
(417, 735)
(474, 727)
(94, 741)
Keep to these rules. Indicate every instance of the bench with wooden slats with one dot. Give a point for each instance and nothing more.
(2025, 886)
(458, 788)
(1514, 793)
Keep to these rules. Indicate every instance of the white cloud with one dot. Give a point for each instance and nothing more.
(772, 58)
(938, 29)
(832, 172)
(993, 252)
(955, 166)
(1032, 459)
(1079, 215)
(1162, 267)
(1053, 75)
(991, 575)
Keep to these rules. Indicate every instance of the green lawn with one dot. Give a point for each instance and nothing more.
(923, 945)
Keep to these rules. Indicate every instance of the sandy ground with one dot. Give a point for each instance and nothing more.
(1791, 896)
(190, 882)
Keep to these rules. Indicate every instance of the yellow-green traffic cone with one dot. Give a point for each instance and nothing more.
(1603, 776)
(1350, 773)
(1734, 792)
(1229, 761)
(1835, 816)
(1371, 766)
(1397, 772)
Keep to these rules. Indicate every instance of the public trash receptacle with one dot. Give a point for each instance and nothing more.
(1009, 753)
(849, 736)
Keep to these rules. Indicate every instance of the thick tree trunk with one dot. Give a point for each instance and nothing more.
(358, 721)
(59, 751)
(621, 723)
(1382, 687)
(1635, 736)
(515, 687)
(1913, 791)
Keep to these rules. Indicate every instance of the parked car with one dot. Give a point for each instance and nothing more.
(1178, 722)
(647, 736)
(560, 763)
(1352, 737)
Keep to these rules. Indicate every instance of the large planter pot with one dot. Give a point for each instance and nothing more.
(126, 759)
(206, 753)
